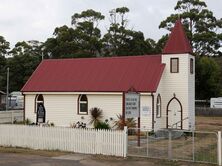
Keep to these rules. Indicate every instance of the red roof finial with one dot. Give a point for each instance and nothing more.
(178, 42)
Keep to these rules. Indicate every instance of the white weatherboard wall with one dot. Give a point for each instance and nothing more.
(146, 119)
(159, 122)
(181, 84)
(110, 104)
(88, 141)
(191, 96)
(30, 107)
(61, 109)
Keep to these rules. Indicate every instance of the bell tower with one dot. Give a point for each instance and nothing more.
(178, 81)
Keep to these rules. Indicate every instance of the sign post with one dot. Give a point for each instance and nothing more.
(132, 109)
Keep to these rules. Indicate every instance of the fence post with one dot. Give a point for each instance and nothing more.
(147, 146)
(219, 148)
(170, 145)
(12, 117)
(193, 145)
(125, 141)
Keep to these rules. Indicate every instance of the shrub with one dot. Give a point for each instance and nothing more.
(27, 122)
(102, 125)
(129, 122)
(96, 115)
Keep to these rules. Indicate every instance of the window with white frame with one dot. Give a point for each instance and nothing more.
(158, 106)
(83, 105)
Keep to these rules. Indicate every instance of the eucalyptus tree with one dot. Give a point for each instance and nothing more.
(26, 57)
(63, 44)
(4, 47)
(87, 32)
(21, 68)
(82, 39)
(32, 48)
(120, 40)
(202, 27)
(208, 78)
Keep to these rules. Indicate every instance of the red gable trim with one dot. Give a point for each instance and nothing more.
(178, 42)
(116, 74)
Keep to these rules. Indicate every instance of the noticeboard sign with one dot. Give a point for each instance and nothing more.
(132, 105)
(216, 102)
(145, 111)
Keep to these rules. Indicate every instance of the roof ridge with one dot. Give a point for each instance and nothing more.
(101, 58)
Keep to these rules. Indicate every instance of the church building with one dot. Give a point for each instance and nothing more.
(66, 89)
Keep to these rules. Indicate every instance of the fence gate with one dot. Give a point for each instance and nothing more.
(174, 145)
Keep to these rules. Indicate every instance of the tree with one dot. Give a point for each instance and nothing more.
(88, 33)
(161, 43)
(2, 73)
(202, 27)
(81, 40)
(21, 68)
(63, 44)
(207, 78)
(32, 47)
(26, 57)
(122, 41)
(4, 46)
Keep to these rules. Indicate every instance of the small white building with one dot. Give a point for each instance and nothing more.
(68, 88)
(216, 102)
(16, 100)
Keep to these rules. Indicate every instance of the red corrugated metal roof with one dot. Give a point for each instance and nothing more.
(177, 42)
(116, 74)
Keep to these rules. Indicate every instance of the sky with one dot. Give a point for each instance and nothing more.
(23, 20)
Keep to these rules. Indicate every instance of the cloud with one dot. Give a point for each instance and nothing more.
(28, 20)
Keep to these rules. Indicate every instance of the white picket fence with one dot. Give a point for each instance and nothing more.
(87, 141)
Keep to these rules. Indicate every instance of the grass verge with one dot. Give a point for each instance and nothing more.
(19, 150)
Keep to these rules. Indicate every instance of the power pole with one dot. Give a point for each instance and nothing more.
(7, 90)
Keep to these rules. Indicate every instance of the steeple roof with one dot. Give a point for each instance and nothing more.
(178, 42)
